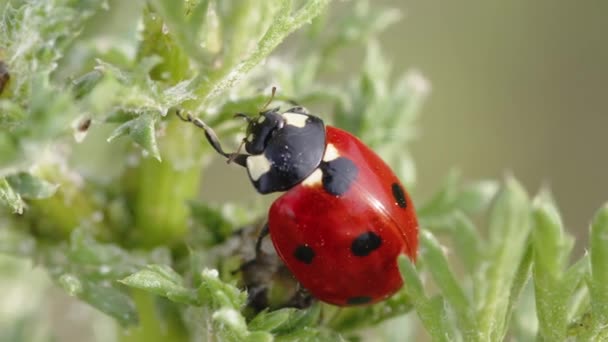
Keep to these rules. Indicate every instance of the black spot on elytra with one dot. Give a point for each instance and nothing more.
(358, 300)
(338, 175)
(399, 195)
(304, 253)
(365, 243)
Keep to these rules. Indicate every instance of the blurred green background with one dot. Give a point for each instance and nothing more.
(517, 86)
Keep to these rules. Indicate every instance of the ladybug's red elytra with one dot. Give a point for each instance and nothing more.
(343, 218)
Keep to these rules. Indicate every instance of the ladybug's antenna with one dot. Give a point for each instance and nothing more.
(274, 91)
(247, 117)
(244, 116)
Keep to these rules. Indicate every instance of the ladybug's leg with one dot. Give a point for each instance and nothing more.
(258, 248)
(257, 298)
(238, 158)
(257, 274)
(301, 299)
(258, 244)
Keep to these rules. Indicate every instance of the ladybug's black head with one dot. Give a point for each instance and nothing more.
(284, 148)
(261, 129)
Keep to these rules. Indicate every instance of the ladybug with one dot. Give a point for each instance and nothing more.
(343, 217)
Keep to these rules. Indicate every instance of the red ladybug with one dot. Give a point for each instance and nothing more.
(343, 218)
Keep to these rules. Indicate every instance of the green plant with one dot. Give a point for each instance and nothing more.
(111, 211)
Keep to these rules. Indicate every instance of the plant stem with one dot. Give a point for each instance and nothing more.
(149, 329)
(164, 188)
(66, 210)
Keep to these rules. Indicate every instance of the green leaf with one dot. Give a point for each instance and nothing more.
(141, 130)
(462, 231)
(552, 244)
(469, 198)
(309, 335)
(83, 85)
(442, 201)
(359, 26)
(580, 303)
(184, 29)
(110, 301)
(599, 270)
(217, 227)
(269, 321)
(519, 286)
(10, 198)
(575, 277)
(283, 25)
(524, 324)
(259, 336)
(51, 111)
(467, 240)
(477, 196)
(232, 320)
(71, 284)
(31, 187)
(519, 282)
(436, 262)
(33, 44)
(163, 281)
(410, 276)
(347, 319)
(103, 96)
(431, 311)
(216, 294)
(10, 114)
(238, 17)
(299, 320)
(508, 234)
(103, 261)
(551, 252)
(89, 270)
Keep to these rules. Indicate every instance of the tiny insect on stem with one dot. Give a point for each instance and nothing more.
(84, 125)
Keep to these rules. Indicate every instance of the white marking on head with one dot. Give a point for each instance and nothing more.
(250, 137)
(331, 153)
(295, 119)
(261, 118)
(257, 166)
(314, 179)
